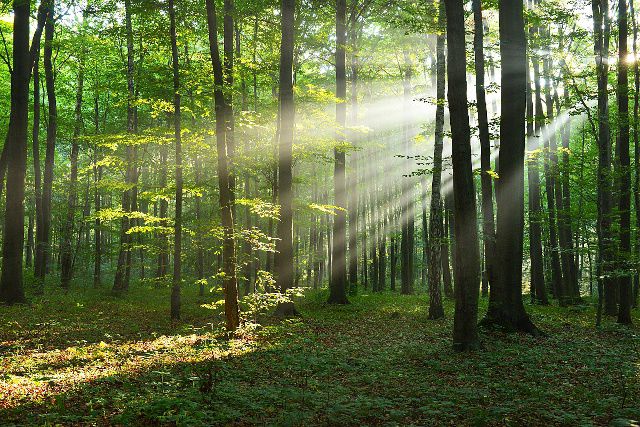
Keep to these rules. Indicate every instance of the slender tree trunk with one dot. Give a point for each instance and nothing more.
(624, 207)
(226, 214)
(467, 257)
(606, 283)
(537, 285)
(43, 245)
(353, 178)
(284, 246)
(407, 209)
(177, 243)
(37, 167)
(550, 169)
(97, 175)
(121, 282)
(636, 147)
(488, 227)
(436, 235)
(30, 241)
(66, 253)
(97, 231)
(338, 289)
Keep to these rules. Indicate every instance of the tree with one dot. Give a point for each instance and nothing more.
(535, 119)
(11, 285)
(624, 208)
(43, 235)
(606, 283)
(67, 251)
(466, 252)
(177, 243)
(338, 285)
(505, 303)
(121, 280)
(230, 282)
(284, 246)
(436, 234)
(488, 228)
(537, 286)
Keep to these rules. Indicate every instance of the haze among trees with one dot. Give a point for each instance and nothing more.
(306, 212)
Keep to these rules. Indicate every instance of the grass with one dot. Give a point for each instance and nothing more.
(88, 358)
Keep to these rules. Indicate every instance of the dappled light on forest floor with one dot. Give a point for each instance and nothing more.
(376, 361)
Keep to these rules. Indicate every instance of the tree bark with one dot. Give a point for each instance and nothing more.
(550, 173)
(66, 252)
(177, 243)
(606, 283)
(43, 239)
(505, 303)
(537, 286)
(11, 285)
(225, 198)
(436, 235)
(467, 257)
(338, 288)
(488, 226)
(624, 207)
(121, 280)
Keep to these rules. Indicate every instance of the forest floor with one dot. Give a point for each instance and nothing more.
(88, 358)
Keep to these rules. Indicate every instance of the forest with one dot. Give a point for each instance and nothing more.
(319, 212)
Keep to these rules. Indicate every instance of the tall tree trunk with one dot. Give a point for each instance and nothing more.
(488, 227)
(11, 285)
(338, 289)
(436, 235)
(121, 280)
(228, 45)
(226, 210)
(407, 208)
(572, 286)
(353, 178)
(37, 167)
(606, 283)
(34, 56)
(467, 257)
(177, 243)
(97, 229)
(284, 246)
(43, 249)
(636, 146)
(66, 252)
(505, 302)
(624, 207)
(537, 286)
(550, 173)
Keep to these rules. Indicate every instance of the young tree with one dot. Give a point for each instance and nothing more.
(467, 256)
